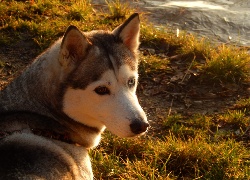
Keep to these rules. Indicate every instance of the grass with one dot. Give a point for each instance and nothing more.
(198, 147)
(170, 157)
(213, 146)
(227, 64)
(117, 9)
(151, 65)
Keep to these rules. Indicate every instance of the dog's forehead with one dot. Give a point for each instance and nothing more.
(111, 48)
(106, 53)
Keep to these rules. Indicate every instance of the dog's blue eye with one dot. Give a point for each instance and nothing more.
(102, 90)
(131, 82)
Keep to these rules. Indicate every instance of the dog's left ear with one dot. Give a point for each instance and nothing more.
(74, 46)
(129, 32)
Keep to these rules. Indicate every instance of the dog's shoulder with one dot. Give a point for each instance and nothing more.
(28, 155)
(25, 154)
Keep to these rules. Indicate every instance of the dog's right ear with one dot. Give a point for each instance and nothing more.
(74, 46)
(129, 32)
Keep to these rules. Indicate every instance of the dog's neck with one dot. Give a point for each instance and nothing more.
(39, 90)
(66, 131)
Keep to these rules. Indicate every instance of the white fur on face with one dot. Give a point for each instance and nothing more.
(115, 111)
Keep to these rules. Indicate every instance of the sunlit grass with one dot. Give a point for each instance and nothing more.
(196, 48)
(243, 105)
(193, 148)
(117, 9)
(227, 64)
(222, 64)
(151, 65)
(170, 157)
(45, 21)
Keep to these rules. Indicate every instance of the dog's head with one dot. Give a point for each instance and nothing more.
(101, 71)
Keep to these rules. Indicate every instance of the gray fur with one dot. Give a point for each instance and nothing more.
(34, 101)
(27, 156)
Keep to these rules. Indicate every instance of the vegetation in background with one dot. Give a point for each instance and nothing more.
(214, 146)
(117, 9)
(227, 64)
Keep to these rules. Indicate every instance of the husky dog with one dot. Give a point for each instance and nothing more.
(59, 106)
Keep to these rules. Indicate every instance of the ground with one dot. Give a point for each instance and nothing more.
(162, 98)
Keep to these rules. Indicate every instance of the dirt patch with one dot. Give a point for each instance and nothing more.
(14, 58)
(169, 94)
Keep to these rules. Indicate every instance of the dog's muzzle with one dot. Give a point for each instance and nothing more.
(138, 126)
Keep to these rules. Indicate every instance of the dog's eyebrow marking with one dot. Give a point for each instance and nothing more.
(114, 65)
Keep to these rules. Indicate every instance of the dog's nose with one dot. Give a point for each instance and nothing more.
(138, 126)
